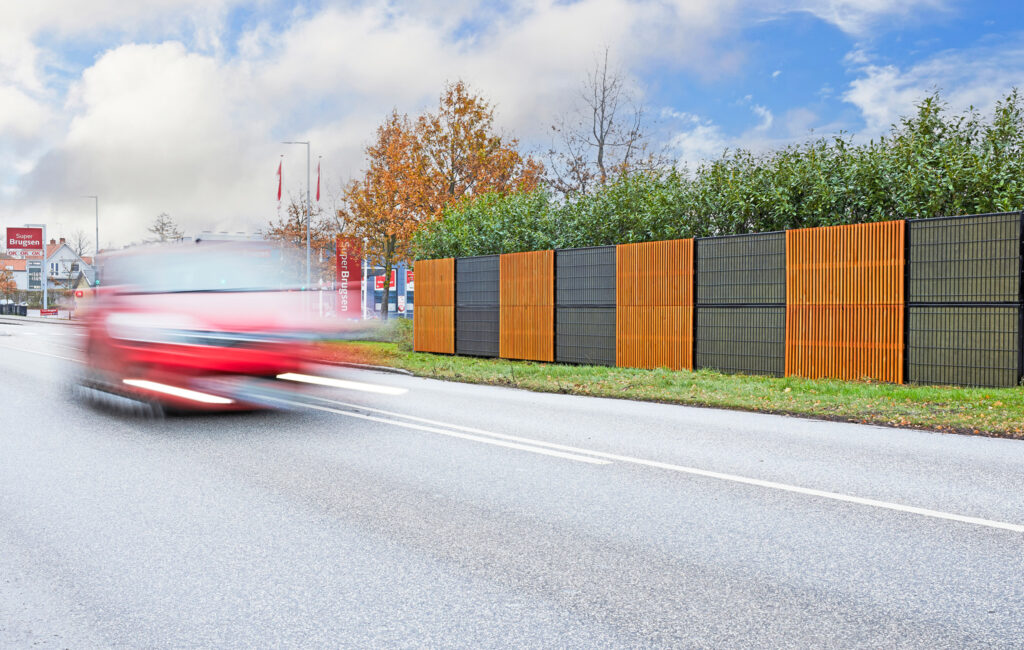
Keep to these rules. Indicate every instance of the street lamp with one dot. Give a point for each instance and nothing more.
(308, 209)
(97, 200)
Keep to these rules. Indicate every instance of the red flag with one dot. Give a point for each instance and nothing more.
(318, 181)
(279, 180)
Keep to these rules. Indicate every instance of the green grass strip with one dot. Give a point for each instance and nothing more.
(986, 411)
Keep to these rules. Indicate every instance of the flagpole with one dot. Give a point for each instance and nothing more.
(308, 209)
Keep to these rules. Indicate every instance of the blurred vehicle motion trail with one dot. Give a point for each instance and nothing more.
(202, 326)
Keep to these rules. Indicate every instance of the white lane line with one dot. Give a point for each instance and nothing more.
(45, 354)
(453, 434)
(796, 489)
(343, 383)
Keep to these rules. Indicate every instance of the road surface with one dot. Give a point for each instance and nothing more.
(412, 512)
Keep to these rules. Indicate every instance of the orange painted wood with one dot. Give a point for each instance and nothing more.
(654, 305)
(844, 301)
(435, 283)
(434, 312)
(526, 320)
(433, 328)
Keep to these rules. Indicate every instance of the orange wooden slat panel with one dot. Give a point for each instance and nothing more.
(527, 306)
(434, 329)
(844, 316)
(654, 305)
(434, 308)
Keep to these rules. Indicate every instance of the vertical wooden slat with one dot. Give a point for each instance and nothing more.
(527, 306)
(844, 301)
(434, 313)
(654, 305)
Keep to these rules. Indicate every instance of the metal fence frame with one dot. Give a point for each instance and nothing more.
(915, 305)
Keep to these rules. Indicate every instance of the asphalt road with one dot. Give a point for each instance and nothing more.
(457, 515)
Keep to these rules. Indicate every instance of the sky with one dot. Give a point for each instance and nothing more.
(180, 106)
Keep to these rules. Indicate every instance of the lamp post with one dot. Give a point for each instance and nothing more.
(97, 200)
(308, 209)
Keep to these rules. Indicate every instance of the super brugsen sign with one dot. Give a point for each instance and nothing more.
(349, 274)
(24, 238)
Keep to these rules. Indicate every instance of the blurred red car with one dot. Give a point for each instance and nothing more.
(198, 326)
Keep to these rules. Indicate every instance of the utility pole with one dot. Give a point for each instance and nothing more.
(308, 209)
(95, 257)
(97, 200)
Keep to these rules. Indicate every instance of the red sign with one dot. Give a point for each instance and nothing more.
(23, 238)
(349, 269)
(47, 312)
(79, 293)
(409, 277)
(378, 282)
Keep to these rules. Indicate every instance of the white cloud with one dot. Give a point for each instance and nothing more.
(975, 77)
(766, 117)
(174, 116)
(860, 17)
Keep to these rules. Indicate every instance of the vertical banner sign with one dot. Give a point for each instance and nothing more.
(349, 268)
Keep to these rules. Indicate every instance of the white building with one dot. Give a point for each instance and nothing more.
(63, 266)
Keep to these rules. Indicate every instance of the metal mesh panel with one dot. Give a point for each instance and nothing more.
(750, 340)
(477, 281)
(969, 346)
(585, 277)
(964, 259)
(742, 270)
(585, 335)
(476, 331)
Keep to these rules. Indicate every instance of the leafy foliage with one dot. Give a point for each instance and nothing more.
(930, 164)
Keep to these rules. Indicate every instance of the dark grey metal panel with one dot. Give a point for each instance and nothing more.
(477, 281)
(585, 277)
(749, 340)
(476, 331)
(585, 335)
(968, 346)
(742, 269)
(964, 259)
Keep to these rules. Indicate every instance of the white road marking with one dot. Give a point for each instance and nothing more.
(343, 383)
(450, 433)
(796, 489)
(45, 354)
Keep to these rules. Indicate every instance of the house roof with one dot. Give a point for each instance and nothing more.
(13, 265)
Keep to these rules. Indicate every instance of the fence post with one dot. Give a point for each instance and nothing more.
(1020, 302)
(906, 301)
(693, 294)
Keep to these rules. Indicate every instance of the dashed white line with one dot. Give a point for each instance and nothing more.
(773, 485)
(453, 434)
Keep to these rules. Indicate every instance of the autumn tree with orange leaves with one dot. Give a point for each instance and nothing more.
(416, 169)
(466, 156)
(384, 206)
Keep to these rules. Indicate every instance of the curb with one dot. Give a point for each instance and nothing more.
(366, 366)
(21, 320)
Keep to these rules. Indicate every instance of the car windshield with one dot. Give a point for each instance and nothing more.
(204, 267)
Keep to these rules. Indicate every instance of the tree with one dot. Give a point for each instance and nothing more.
(603, 137)
(291, 230)
(8, 286)
(79, 242)
(465, 156)
(385, 206)
(165, 228)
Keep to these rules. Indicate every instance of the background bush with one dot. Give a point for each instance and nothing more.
(932, 163)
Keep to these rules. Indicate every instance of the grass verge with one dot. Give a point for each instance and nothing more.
(987, 411)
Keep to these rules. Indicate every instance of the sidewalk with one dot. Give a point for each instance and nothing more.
(38, 319)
